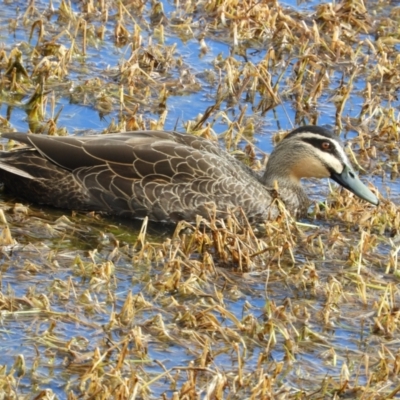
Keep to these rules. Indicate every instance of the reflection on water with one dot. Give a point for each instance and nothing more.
(318, 303)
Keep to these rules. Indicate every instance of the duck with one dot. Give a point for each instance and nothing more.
(171, 176)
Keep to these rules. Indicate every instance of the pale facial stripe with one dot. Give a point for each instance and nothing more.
(332, 161)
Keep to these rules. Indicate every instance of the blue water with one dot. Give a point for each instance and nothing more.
(102, 61)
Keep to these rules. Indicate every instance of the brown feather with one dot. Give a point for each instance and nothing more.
(166, 176)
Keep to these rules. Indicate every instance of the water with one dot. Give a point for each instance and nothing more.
(60, 341)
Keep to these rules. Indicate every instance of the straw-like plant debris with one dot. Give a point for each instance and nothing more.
(98, 308)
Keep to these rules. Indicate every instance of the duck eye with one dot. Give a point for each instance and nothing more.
(326, 146)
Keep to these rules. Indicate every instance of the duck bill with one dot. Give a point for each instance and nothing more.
(351, 181)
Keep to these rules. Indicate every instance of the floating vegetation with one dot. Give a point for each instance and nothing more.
(95, 307)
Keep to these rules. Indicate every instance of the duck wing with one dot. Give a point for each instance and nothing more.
(164, 175)
(73, 152)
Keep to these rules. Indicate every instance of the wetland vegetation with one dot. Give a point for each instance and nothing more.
(95, 307)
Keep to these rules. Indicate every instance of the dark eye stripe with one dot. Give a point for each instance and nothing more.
(317, 143)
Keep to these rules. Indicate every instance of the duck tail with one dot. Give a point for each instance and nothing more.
(13, 170)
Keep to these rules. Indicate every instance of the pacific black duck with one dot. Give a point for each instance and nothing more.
(170, 176)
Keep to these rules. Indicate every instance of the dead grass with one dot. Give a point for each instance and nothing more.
(92, 309)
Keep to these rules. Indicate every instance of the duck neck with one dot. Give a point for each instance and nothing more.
(278, 176)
